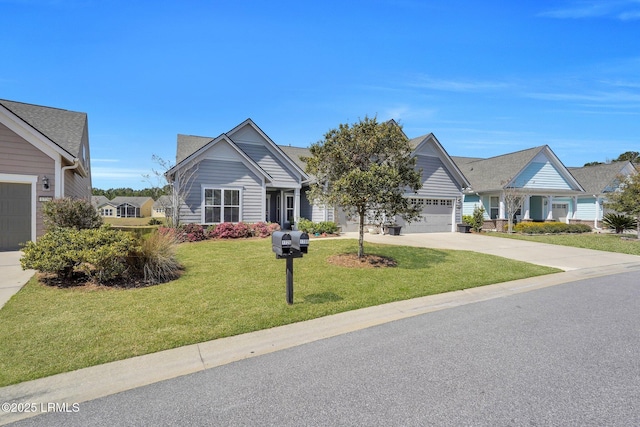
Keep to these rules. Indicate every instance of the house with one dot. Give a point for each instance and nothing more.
(552, 191)
(132, 207)
(242, 175)
(104, 206)
(598, 181)
(161, 208)
(44, 154)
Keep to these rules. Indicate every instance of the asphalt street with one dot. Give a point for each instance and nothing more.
(565, 355)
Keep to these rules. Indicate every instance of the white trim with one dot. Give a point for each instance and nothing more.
(204, 187)
(25, 179)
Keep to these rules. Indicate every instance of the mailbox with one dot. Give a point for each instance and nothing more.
(300, 241)
(281, 243)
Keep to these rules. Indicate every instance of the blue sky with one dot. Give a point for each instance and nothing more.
(487, 78)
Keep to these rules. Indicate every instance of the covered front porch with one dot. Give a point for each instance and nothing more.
(282, 206)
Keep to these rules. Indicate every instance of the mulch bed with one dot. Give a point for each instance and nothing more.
(367, 261)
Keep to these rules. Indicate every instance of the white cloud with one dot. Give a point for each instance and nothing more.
(617, 9)
(428, 82)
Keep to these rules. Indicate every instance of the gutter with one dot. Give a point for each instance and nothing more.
(75, 165)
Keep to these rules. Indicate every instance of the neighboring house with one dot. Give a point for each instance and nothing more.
(242, 175)
(552, 192)
(132, 207)
(44, 154)
(598, 181)
(162, 207)
(104, 206)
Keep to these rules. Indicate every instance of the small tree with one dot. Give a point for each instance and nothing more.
(627, 198)
(71, 213)
(176, 183)
(477, 219)
(365, 168)
(513, 200)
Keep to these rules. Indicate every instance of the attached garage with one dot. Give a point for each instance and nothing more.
(436, 217)
(15, 215)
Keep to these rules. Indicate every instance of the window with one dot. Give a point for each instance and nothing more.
(495, 207)
(289, 208)
(106, 212)
(221, 205)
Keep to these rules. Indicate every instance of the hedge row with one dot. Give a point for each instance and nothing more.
(225, 230)
(550, 228)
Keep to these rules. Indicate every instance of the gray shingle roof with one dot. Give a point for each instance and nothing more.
(189, 144)
(493, 173)
(64, 128)
(598, 179)
(295, 154)
(133, 201)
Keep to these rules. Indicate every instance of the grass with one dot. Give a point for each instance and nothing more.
(228, 288)
(608, 242)
(127, 222)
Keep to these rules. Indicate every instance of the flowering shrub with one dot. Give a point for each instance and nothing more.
(191, 233)
(550, 228)
(260, 229)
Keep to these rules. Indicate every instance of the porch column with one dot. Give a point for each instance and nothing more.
(526, 206)
(597, 215)
(549, 208)
(296, 204)
(501, 209)
(575, 207)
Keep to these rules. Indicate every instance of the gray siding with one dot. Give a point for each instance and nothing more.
(436, 179)
(225, 174)
(270, 163)
(19, 157)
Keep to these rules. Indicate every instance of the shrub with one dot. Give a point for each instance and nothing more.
(155, 221)
(225, 230)
(467, 219)
(154, 260)
(550, 228)
(70, 212)
(98, 253)
(260, 229)
(619, 222)
(191, 233)
(476, 221)
(309, 227)
(242, 230)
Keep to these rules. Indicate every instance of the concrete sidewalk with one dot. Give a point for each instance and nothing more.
(102, 380)
(12, 276)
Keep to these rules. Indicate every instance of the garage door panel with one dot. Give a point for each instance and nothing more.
(435, 218)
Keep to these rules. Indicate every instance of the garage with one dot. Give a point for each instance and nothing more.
(436, 216)
(15, 215)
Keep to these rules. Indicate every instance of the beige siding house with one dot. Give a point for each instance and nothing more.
(44, 154)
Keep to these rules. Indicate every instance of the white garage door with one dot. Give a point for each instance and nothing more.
(15, 215)
(435, 218)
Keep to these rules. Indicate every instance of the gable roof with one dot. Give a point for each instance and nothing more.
(599, 179)
(62, 127)
(496, 173)
(133, 201)
(98, 201)
(430, 138)
(189, 146)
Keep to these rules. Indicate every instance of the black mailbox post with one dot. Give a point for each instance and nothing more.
(289, 245)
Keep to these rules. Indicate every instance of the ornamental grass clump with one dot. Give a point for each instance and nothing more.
(154, 260)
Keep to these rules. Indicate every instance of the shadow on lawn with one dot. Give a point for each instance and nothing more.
(424, 258)
(323, 297)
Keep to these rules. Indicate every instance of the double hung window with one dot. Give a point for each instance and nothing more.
(221, 205)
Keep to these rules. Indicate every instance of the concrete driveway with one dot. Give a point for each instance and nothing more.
(562, 257)
(12, 276)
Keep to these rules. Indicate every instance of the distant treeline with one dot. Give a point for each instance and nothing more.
(154, 193)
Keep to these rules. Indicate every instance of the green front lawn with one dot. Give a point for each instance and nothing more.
(609, 242)
(228, 288)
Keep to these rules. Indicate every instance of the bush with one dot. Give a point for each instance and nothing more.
(260, 229)
(225, 230)
(476, 221)
(191, 233)
(71, 212)
(309, 227)
(228, 230)
(618, 222)
(154, 260)
(550, 228)
(156, 221)
(99, 253)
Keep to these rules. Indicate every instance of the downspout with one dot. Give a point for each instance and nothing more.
(76, 163)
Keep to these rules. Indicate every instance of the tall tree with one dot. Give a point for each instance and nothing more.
(627, 198)
(365, 169)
